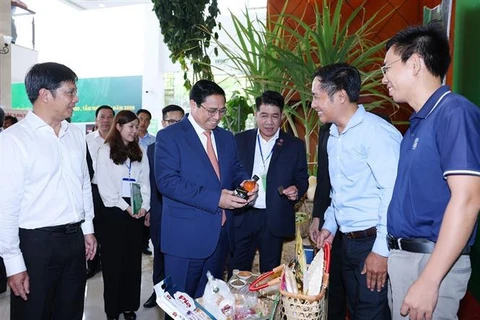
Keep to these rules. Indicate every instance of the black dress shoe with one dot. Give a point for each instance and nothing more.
(151, 302)
(112, 318)
(129, 315)
(147, 251)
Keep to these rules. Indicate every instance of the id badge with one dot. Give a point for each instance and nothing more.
(264, 181)
(126, 182)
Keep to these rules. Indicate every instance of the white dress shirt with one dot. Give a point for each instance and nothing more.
(94, 142)
(261, 163)
(44, 182)
(203, 138)
(109, 177)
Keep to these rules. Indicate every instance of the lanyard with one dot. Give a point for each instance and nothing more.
(261, 152)
(129, 167)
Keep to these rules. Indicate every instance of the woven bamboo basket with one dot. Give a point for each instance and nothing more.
(303, 307)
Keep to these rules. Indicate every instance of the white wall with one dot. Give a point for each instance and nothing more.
(94, 43)
(120, 41)
(22, 59)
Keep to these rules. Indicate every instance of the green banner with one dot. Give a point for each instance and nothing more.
(122, 93)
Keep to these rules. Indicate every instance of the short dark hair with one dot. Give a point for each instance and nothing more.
(119, 152)
(204, 88)
(11, 118)
(2, 117)
(47, 75)
(104, 107)
(170, 108)
(429, 41)
(340, 76)
(270, 97)
(144, 111)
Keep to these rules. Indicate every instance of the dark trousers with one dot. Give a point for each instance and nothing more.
(3, 277)
(121, 241)
(146, 236)
(190, 275)
(56, 267)
(252, 234)
(94, 264)
(363, 304)
(337, 305)
(158, 257)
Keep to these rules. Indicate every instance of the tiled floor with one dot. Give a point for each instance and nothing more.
(94, 297)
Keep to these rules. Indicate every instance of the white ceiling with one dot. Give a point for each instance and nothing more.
(101, 4)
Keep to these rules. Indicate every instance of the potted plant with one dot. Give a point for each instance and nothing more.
(180, 23)
(283, 53)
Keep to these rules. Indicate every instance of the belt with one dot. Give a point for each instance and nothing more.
(417, 245)
(64, 228)
(370, 232)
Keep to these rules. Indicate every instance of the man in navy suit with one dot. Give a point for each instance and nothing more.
(196, 169)
(171, 114)
(279, 160)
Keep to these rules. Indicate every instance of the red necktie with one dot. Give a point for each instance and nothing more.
(214, 162)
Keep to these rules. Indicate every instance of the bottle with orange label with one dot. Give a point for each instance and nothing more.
(248, 186)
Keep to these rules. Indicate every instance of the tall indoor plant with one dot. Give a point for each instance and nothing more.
(182, 24)
(283, 53)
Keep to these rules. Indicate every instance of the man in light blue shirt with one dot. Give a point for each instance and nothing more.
(363, 152)
(144, 137)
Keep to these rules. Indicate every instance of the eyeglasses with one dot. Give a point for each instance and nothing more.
(70, 92)
(386, 67)
(212, 112)
(171, 121)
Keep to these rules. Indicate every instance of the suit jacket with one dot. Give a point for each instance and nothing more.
(191, 218)
(288, 166)
(322, 198)
(155, 195)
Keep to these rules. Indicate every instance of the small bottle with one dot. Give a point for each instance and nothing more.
(248, 186)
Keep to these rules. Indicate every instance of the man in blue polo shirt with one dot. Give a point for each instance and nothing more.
(436, 200)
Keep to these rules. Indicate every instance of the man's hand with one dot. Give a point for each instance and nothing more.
(229, 201)
(324, 236)
(147, 219)
(252, 195)
(20, 284)
(376, 269)
(313, 230)
(90, 246)
(291, 193)
(420, 300)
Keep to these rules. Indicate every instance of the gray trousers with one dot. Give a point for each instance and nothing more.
(405, 267)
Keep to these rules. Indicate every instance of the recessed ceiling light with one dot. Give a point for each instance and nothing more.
(101, 5)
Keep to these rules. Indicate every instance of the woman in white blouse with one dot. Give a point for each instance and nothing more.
(121, 162)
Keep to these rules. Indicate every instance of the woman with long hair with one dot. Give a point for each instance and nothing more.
(121, 162)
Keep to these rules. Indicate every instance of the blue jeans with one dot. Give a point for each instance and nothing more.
(362, 303)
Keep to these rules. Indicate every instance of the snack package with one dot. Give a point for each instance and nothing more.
(218, 299)
(178, 305)
(315, 274)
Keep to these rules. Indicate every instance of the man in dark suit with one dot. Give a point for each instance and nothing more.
(196, 169)
(279, 160)
(171, 114)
